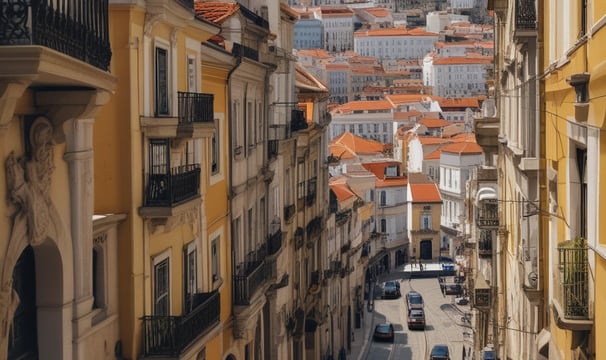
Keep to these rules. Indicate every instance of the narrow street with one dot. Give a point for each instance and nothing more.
(444, 322)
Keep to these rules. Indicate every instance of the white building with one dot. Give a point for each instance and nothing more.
(367, 119)
(456, 76)
(337, 23)
(393, 44)
(439, 20)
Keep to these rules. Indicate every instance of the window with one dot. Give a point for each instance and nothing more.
(216, 149)
(383, 198)
(214, 259)
(426, 222)
(383, 225)
(301, 180)
(250, 233)
(162, 82)
(190, 275)
(581, 162)
(249, 125)
(99, 285)
(161, 286)
(236, 233)
(191, 74)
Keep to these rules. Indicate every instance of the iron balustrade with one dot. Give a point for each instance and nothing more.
(573, 264)
(310, 198)
(289, 211)
(526, 15)
(274, 242)
(77, 28)
(195, 107)
(247, 284)
(170, 335)
(341, 217)
(485, 243)
(314, 227)
(488, 214)
(256, 19)
(245, 51)
(298, 121)
(168, 189)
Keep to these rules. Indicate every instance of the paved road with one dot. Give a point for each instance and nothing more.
(444, 324)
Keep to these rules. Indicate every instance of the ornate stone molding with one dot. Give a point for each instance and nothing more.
(10, 92)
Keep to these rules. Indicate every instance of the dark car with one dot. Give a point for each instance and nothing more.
(391, 290)
(416, 319)
(439, 352)
(414, 300)
(384, 332)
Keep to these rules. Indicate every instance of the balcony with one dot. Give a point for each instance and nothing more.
(245, 51)
(485, 244)
(299, 238)
(170, 335)
(289, 212)
(298, 121)
(310, 198)
(342, 217)
(254, 18)
(167, 190)
(487, 215)
(571, 302)
(195, 115)
(253, 276)
(77, 28)
(274, 242)
(526, 18)
(314, 227)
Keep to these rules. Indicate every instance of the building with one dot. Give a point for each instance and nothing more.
(308, 31)
(368, 119)
(337, 24)
(438, 21)
(424, 210)
(456, 77)
(394, 44)
(59, 297)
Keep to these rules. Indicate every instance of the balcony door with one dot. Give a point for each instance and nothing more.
(426, 249)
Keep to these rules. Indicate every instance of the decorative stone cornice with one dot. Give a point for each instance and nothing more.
(10, 92)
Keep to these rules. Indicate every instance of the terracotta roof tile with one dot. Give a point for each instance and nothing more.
(425, 193)
(342, 191)
(431, 140)
(378, 168)
(391, 182)
(463, 148)
(434, 155)
(459, 60)
(393, 32)
(363, 105)
(471, 102)
(434, 123)
(348, 142)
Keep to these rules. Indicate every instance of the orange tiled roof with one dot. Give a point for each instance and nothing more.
(364, 105)
(464, 137)
(434, 155)
(434, 123)
(453, 130)
(406, 98)
(378, 12)
(378, 168)
(391, 182)
(401, 115)
(341, 190)
(341, 151)
(288, 10)
(459, 102)
(337, 66)
(425, 193)
(357, 145)
(463, 148)
(215, 11)
(318, 53)
(431, 140)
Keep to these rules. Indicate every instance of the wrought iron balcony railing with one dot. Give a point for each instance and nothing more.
(310, 198)
(195, 107)
(297, 120)
(314, 227)
(485, 243)
(573, 292)
(289, 212)
(488, 214)
(248, 283)
(342, 217)
(526, 15)
(170, 335)
(274, 242)
(245, 51)
(181, 183)
(77, 28)
(256, 19)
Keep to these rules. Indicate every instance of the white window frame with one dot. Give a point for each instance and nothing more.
(164, 45)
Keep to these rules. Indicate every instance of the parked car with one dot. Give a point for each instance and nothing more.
(462, 300)
(414, 300)
(391, 290)
(416, 319)
(384, 331)
(439, 352)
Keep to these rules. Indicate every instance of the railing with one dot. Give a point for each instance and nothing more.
(188, 4)
(488, 214)
(245, 51)
(342, 217)
(299, 238)
(485, 243)
(77, 28)
(169, 335)
(573, 278)
(245, 285)
(274, 242)
(526, 15)
(345, 248)
(182, 183)
(310, 199)
(256, 19)
(314, 227)
(195, 107)
(297, 121)
(289, 211)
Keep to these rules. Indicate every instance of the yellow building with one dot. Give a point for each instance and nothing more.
(574, 66)
(58, 261)
(162, 161)
(424, 215)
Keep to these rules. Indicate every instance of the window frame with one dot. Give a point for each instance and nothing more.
(162, 109)
(190, 285)
(158, 260)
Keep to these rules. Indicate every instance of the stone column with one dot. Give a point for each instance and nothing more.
(72, 113)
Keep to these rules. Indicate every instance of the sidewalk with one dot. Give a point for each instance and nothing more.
(362, 336)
